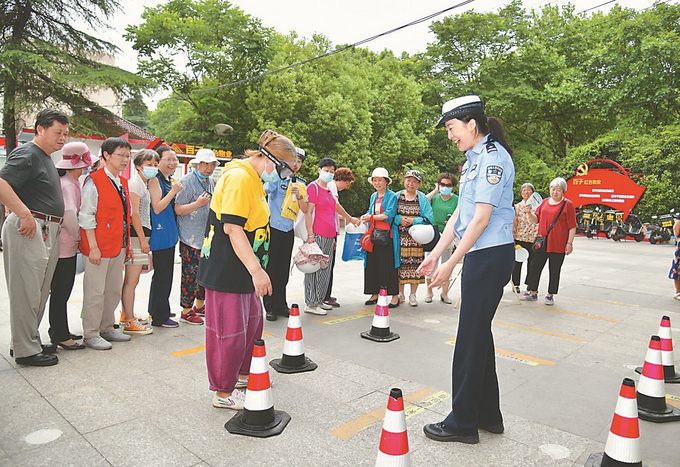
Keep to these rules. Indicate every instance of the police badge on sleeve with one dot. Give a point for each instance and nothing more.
(494, 174)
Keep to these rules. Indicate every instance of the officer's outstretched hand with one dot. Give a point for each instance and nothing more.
(442, 275)
(428, 265)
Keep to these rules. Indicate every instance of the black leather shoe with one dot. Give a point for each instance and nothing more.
(437, 432)
(496, 428)
(283, 313)
(393, 305)
(46, 350)
(271, 316)
(371, 302)
(39, 359)
(75, 346)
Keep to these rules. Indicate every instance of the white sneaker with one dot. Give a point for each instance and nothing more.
(115, 336)
(97, 343)
(412, 300)
(402, 299)
(242, 383)
(325, 306)
(315, 311)
(233, 402)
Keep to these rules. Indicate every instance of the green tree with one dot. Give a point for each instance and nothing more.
(356, 106)
(187, 46)
(44, 58)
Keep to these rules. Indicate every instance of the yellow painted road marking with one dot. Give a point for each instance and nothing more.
(583, 315)
(540, 331)
(673, 400)
(357, 315)
(514, 356)
(608, 301)
(356, 426)
(200, 348)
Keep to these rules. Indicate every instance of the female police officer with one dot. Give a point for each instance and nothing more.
(483, 222)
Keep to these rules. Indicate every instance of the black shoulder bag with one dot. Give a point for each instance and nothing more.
(541, 243)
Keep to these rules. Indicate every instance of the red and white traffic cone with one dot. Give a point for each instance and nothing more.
(258, 417)
(651, 393)
(623, 443)
(393, 451)
(293, 359)
(380, 329)
(669, 374)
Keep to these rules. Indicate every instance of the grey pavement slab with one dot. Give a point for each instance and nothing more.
(147, 402)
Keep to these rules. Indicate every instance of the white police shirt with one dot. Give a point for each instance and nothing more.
(487, 177)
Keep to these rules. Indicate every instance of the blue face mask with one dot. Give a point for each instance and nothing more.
(270, 177)
(149, 172)
(201, 176)
(445, 190)
(326, 177)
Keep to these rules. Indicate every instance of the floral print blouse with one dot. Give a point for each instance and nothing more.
(523, 229)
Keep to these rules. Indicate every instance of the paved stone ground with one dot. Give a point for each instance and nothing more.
(147, 403)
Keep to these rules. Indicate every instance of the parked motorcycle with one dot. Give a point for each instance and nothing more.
(608, 223)
(631, 228)
(595, 225)
(664, 230)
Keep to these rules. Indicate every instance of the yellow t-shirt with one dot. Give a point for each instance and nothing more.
(238, 199)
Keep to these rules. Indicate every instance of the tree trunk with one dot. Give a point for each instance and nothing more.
(9, 115)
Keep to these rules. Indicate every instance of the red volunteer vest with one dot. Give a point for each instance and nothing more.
(109, 216)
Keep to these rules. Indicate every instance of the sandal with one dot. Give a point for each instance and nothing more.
(428, 299)
(677, 296)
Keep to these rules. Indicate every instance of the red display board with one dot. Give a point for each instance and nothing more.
(611, 187)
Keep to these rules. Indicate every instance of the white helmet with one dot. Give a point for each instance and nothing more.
(422, 233)
(308, 268)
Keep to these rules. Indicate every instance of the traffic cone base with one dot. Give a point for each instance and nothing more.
(380, 328)
(657, 413)
(600, 459)
(293, 359)
(258, 418)
(297, 364)
(238, 426)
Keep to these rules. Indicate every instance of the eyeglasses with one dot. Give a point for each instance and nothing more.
(124, 156)
(282, 168)
(447, 185)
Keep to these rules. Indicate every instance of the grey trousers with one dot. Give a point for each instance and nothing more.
(102, 286)
(29, 267)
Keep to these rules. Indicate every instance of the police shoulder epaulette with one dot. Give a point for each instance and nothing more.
(300, 179)
(490, 146)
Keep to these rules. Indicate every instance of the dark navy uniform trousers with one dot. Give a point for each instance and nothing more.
(475, 383)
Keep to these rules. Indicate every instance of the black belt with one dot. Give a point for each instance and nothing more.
(47, 217)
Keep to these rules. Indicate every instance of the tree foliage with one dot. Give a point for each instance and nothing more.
(46, 60)
(188, 46)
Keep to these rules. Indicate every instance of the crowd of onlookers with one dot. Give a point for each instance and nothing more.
(236, 240)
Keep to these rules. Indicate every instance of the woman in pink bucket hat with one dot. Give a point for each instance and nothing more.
(75, 157)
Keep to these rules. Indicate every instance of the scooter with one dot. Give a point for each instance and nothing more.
(632, 227)
(595, 225)
(583, 220)
(664, 231)
(608, 223)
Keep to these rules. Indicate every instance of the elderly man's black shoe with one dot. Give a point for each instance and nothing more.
(38, 359)
(437, 432)
(46, 349)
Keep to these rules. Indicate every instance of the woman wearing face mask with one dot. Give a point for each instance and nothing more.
(231, 268)
(320, 221)
(444, 203)
(145, 168)
(164, 237)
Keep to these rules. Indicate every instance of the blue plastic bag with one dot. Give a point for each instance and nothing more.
(352, 250)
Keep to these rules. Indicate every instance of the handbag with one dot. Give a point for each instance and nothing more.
(366, 242)
(381, 237)
(541, 243)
